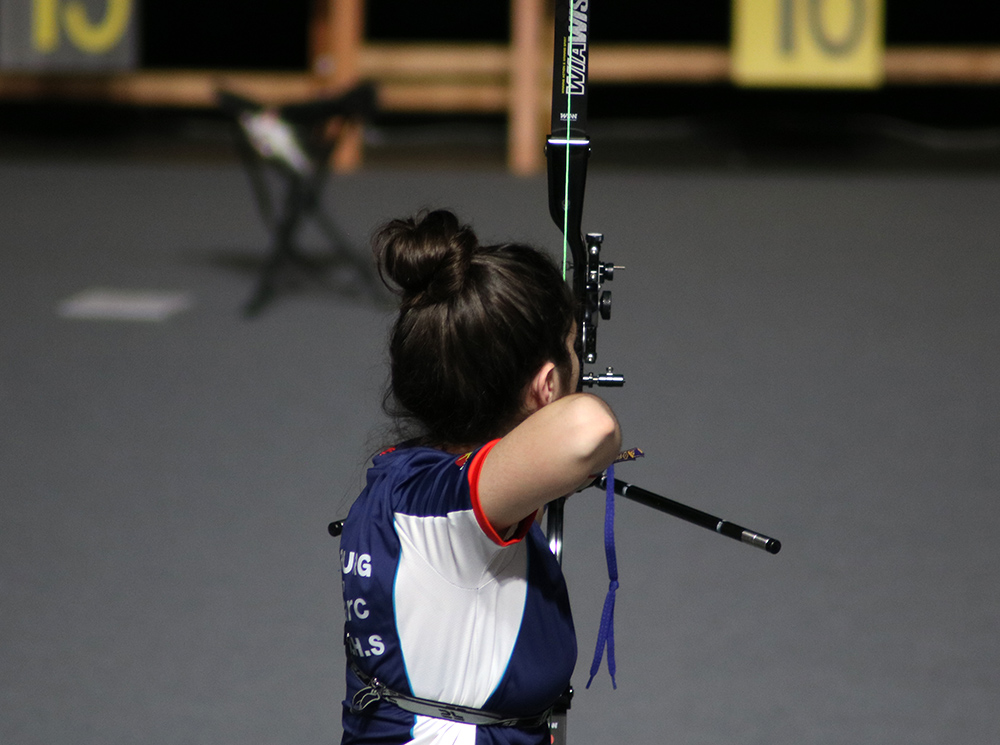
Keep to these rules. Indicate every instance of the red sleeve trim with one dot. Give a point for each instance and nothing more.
(474, 469)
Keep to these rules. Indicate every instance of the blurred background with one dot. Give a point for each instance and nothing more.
(688, 113)
(192, 352)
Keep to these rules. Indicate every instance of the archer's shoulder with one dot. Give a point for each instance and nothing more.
(406, 464)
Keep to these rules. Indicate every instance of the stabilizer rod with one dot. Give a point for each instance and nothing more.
(705, 520)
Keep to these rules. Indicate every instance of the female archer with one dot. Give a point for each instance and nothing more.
(458, 626)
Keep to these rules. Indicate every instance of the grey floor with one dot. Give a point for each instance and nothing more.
(811, 352)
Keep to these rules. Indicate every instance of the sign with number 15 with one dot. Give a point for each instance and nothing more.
(808, 43)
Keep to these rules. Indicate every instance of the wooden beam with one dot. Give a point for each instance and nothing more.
(609, 63)
(443, 97)
(654, 63)
(658, 63)
(383, 61)
(166, 88)
(942, 65)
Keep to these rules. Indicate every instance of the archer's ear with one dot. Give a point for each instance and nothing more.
(544, 387)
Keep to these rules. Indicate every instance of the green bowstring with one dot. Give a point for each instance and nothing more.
(569, 98)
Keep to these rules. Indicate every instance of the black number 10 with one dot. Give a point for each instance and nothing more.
(835, 47)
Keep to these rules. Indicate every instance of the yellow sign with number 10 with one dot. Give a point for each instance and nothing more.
(92, 37)
(808, 43)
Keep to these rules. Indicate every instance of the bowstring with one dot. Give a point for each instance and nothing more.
(569, 105)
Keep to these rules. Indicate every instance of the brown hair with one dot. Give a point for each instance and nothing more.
(475, 324)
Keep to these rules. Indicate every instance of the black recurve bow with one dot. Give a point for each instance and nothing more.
(567, 149)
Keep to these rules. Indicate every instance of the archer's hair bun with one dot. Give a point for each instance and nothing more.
(427, 256)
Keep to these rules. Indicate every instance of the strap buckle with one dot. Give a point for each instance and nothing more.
(373, 692)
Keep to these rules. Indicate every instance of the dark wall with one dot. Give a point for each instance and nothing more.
(273, 33)
(233, 34)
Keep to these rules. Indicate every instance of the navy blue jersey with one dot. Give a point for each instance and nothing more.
(440, 607)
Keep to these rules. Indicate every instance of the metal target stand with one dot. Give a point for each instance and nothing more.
(294, 144)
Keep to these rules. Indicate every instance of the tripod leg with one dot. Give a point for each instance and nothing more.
(282, 250)
(253, 164)
(340, 246)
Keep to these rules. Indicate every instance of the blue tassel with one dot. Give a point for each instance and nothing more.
(606, 634)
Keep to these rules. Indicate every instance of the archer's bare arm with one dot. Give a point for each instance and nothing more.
(550, 454)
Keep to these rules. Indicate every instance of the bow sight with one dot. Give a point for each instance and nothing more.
(567, 150)
(596, 304)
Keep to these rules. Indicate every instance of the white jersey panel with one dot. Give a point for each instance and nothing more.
(431, 731)
(459, 599)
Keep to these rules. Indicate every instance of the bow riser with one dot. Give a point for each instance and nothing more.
(567, 152)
